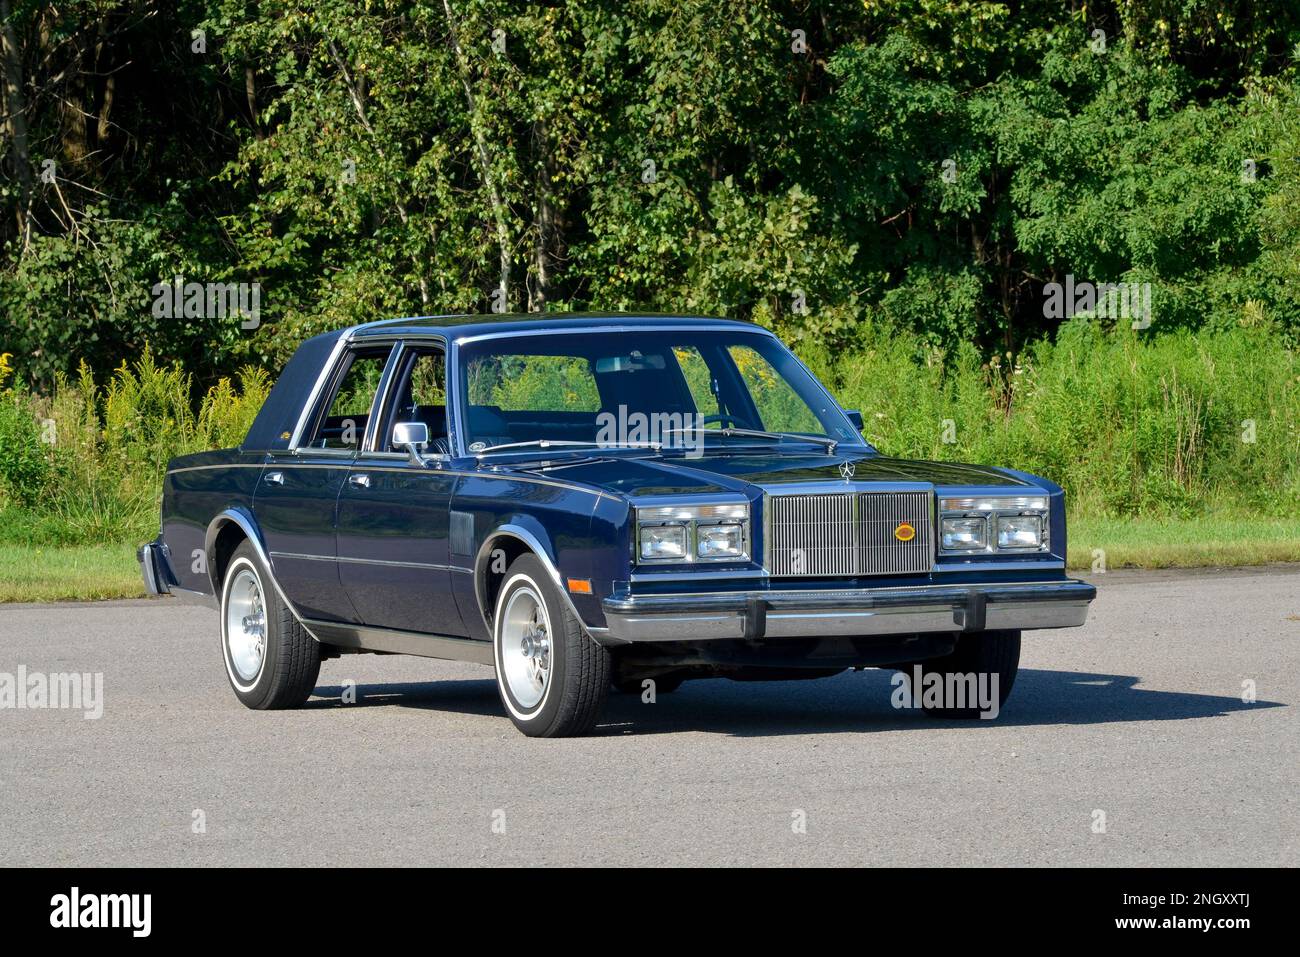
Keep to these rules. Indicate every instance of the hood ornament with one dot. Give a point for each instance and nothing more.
(846, 470)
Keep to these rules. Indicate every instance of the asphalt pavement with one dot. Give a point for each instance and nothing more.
(1131, 741)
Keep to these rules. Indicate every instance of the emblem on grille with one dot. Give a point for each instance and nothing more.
(846, 470)
(905, 532)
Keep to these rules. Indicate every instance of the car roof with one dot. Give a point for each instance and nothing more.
(463, 326)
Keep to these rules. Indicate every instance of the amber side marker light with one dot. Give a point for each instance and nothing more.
(580, 586)
(905, 532)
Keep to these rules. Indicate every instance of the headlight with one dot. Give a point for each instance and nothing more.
(663, 543)
(993, 523)
(693, 533)
(719, 541)
(964, 534)
(1020, 531)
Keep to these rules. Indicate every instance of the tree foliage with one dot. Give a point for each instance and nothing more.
(827, 168)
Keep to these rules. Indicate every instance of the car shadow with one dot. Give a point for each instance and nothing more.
(851, 702)
(476, 696)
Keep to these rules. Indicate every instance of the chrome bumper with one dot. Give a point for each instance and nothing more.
(154, 568)
(852, 612)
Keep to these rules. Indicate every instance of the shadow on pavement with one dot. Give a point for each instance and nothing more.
(853, 702)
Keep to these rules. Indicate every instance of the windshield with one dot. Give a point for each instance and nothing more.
(650, 388)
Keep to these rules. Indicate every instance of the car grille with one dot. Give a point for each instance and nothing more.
(847, 533)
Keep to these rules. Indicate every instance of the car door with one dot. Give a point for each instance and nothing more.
(297, 495)
(393, 515)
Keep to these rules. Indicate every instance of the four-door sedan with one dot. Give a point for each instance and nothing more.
(588, 502)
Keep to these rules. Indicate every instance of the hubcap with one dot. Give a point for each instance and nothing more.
(526, 647)
(246, 625)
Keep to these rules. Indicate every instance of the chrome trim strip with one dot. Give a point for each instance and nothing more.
(346, 455)
(369, 561)
(393, 641)
(621, 324)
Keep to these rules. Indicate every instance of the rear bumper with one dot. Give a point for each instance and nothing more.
(848, 612)
(155, 568)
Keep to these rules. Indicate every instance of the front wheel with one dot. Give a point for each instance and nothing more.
(552, 677)
(961, 684)
(271, 661)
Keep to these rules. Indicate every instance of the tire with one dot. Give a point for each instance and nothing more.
(663, 685)
(280, 670)
(996, 653)
(552, 677)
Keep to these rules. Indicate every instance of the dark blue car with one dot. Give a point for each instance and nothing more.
(596, 503)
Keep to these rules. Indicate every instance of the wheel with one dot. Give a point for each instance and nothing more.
(552, 677)
(665, 684)
(993, 653)
(271, 661)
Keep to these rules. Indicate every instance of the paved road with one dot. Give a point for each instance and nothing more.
(1138, 715)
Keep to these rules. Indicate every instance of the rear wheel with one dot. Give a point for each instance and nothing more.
(995, 654)
(552, 677)
(271, 661)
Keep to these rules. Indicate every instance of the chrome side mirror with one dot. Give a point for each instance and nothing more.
(414, 436)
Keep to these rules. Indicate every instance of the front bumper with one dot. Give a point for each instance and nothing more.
(848, 612)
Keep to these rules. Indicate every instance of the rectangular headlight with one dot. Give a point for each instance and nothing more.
(663, 543)
(1020, 531)
(693, 533)
(714, 542)
(964, 534)
(993, 523)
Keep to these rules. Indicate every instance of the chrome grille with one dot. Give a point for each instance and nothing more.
(847, 533)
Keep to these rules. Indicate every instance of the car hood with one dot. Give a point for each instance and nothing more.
(740, 471)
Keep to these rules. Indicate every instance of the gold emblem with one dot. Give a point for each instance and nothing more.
(905, 532)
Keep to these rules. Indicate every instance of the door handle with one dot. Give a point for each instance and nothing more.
(360, 480)
(273, 478)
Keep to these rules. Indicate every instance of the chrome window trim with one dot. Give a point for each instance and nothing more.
(322, 377)
(345, 342)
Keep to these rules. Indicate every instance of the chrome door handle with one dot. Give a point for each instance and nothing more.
(273, 478)
(362, 480)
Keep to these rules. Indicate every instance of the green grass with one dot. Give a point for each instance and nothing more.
(68, 573)
(94, 572)
(1184, 543)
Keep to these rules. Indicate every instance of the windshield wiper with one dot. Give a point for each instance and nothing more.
(566, 443)
(757, 434)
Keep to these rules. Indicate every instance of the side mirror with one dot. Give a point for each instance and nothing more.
(855, 417)
(414, 436)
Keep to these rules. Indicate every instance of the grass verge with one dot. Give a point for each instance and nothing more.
(32, 573)
(68, 573)
(1183, 543)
